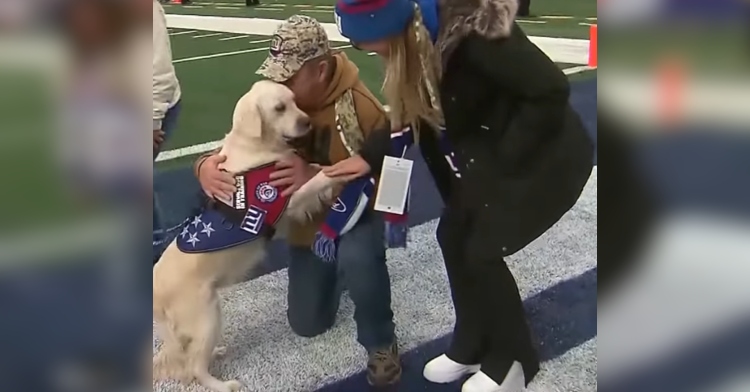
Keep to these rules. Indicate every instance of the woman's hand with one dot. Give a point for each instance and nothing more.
(291, 173)
(158, 138)
(348, 169)
(215, 182)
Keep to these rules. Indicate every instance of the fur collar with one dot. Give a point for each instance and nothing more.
(459, 18)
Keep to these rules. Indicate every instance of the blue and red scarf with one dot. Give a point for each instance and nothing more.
(353, 200)
(342, 216)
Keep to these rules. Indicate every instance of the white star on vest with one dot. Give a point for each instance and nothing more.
(207, 230)
(193, 239)
(197, 220)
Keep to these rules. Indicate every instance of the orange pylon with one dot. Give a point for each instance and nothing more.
(670, 80)
(593, 55)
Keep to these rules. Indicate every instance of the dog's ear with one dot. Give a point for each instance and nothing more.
(248, 118)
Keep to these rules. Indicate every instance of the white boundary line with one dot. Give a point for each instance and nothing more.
(211, 56)
(235, 37)
(181, 32)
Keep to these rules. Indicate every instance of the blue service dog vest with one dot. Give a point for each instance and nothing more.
(253, 211)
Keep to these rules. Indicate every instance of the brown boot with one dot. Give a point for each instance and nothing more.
(384, 366)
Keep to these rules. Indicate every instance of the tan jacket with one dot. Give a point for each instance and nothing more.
(323, 145)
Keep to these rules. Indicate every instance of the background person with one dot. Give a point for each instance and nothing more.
(166, 105)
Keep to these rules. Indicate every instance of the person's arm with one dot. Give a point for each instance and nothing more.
(165, 81)
(523, 71)
(376, 129)
(376, 146)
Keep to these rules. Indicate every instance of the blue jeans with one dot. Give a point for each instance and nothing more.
(169, 123)
(167, 126)
(315, 286)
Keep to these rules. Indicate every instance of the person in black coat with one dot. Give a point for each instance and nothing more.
(462, 73)
(525, 8)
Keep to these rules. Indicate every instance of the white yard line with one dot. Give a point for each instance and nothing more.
(211, 56)
(557, 17)
(560, 50)
(578, 69)
(531, 21)
(225, 54)
(208, 35)
(189, 150)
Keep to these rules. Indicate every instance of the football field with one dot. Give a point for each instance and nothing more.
(217, 46)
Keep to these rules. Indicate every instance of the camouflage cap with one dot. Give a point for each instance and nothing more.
(296, 41)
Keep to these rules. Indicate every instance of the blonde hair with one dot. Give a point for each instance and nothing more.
(412, 72)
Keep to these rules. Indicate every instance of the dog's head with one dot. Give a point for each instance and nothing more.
(268, 111)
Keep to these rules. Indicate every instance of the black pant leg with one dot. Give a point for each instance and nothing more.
(468, 344)
(524, 7)
(504, 323)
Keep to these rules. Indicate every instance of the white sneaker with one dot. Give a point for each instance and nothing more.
(443, 370)
(514, 382)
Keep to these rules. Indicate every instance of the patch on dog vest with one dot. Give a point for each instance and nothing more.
(254, 210)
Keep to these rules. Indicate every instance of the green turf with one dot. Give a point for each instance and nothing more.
(32, 189)
(212, 86)
(551, 18)
(717, 50)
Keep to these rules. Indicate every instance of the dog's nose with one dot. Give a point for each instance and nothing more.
(304, 122)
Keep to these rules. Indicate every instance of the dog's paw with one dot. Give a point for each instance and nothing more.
(233, 385)
(219, 351)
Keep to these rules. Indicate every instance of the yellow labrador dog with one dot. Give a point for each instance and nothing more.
(186, 302)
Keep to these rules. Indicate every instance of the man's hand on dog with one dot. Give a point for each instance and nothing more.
(291, 173)
(214, 182)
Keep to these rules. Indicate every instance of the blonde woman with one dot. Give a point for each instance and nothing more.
(489, 111)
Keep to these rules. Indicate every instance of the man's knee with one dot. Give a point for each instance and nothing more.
(309, 324)
(312, 295)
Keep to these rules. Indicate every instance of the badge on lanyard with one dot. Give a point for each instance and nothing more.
(393, 188)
